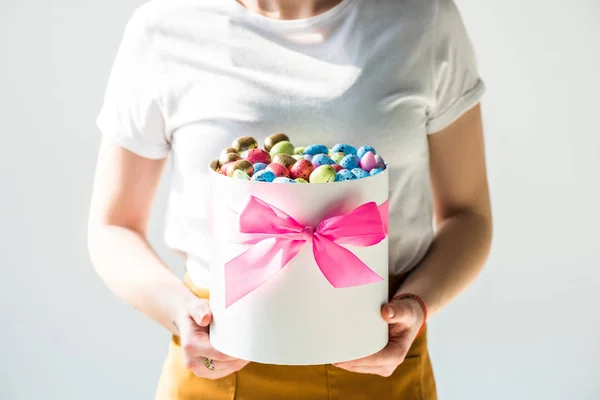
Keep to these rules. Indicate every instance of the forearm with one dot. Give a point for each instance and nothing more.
(455, 258)
(131, 268)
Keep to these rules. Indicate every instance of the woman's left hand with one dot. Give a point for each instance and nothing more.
(405, 318)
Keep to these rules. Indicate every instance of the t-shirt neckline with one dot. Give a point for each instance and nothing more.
(291, 23)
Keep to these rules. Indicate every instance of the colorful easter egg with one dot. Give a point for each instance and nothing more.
(244, 143)
(379, 162)
(278, 169)
(283, 147)
(337, 167)
(307, 157)
(350, 162)
(299, 150)
(240, 174)
(300, 180)
(360, 173)
(314, 149)
(368, 161)
(215, 165)
(344, 175)
(302, 169)
(375, 171)
(344, 148)
(272, 140)
(225, 166)
(224, 158)
(243, 165)
(322, 159)
(298, 157)
(285, 160)
(259, 166)
(362, 150)
(283, 179)
(263, 176)
(322, 174)
(257, 156)
(228, 150)
(337, 157)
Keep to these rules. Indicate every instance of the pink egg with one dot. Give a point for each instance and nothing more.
(278, 169)
(257, 156)
(301, 169)
(225, 166)
(337, 167)
(368, 162)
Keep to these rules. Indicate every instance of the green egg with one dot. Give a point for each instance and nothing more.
(284, 147)
(299, 150)
(298, 157)
(337, 157)
(240, 174)
(322, 174)
(300, 180)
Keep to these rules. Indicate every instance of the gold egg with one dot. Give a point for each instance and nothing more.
(285, 160)
(274, 139)
(215, 165)
(243, 165)
(225, 158)
(244, 143)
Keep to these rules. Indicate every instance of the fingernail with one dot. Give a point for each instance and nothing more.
(391, 312)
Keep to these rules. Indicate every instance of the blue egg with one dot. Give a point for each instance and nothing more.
(322, 159)
(283, 179)
(360, 173)
(264, 176)
(344, 148)
(259, 167)
(362, 150)
(375, 171)
(350, 162)
(344, 175)
(307, 157)
(314, 149)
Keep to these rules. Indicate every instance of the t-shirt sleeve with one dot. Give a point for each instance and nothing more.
(457, 85)
(132, 113)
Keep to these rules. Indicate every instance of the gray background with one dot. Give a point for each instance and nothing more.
(528, 328)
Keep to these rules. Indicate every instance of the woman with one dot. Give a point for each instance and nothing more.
(190, 76)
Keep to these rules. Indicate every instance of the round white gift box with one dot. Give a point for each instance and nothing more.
(297, 317)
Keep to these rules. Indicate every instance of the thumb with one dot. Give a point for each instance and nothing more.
(396, 311)
(200, 312)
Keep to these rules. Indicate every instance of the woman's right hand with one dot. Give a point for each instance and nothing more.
(193, 326)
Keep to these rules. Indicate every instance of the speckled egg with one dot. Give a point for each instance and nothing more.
(322, 159)
(368, 162)
(278, 169)
(337, 157)
(272, 140)
(300, 180)
(299, 150)
(360, 173)
(263, 176)
(375, 171)
(244, 143)
(350, 162)
(362, 150)
(283, 147)
(307, 157)
(285, 160)
(379, 162)
(259, 166)
(314, 149)
(225, 166)
(302, 169)
(224, 158)
(322, 174)
(243, 165)
(283, 180)
(344, 148)
(257, 156)
(337, 167)
(240, 174)
(344, 175)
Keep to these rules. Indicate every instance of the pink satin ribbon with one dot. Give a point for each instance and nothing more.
(271, 231)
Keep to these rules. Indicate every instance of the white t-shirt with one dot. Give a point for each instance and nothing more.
(192, 75)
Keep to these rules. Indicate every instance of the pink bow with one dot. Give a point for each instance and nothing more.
(271, 231)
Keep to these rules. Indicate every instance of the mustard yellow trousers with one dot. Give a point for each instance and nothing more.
(412, 380)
